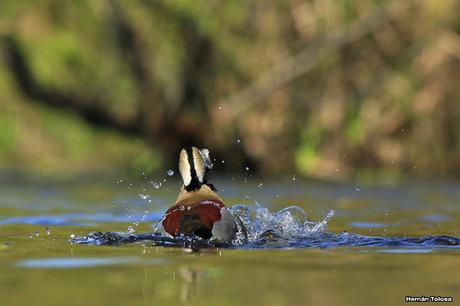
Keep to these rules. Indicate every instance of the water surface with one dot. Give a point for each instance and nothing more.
(383, 243)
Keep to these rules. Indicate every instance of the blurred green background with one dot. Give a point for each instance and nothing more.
(330, 89)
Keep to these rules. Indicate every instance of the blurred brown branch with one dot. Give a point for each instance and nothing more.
(303, 62)
(91, 109)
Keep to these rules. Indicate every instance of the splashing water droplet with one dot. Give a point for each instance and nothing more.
(159, 225)
(48, 231)
(246, 168)
(238, 141)
(156, 185)
(131, 229)
(321, 226)
(260, 184)
(37, 233)
(144, 196)
(144, 216)
(293, 178)
(170, 172)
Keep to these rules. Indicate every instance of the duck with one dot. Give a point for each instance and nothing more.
(198, 210)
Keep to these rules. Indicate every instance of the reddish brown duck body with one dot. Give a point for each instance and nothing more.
(194, 213)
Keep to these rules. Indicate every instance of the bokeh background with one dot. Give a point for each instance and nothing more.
(331, 89)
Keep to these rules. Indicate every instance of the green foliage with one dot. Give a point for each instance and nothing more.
(7, 135)
(164, 69)
(308, 155)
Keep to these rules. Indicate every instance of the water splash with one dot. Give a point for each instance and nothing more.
(258, 221)
(289, 222)
(157, 228)
(287, 228)
(144, 196)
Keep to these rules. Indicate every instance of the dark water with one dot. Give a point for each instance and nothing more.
(91, 242)
(269, 240)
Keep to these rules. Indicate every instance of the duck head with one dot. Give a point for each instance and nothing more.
(194, 165)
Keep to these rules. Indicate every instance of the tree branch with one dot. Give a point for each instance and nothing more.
(89, 108)
(307, 59)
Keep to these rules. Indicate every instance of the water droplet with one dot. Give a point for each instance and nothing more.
(181, 207)
(246, 168)
(260, 184)
(72, 236)
(48, 231)
(293, 178)
(238, 141)
(223, 161)
(37, 233)
(131, 229)
(170, 172)
(357, 189)
(156, 185)
(144, 196)
(220, 107)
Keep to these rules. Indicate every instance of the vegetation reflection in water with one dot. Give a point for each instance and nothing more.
(375, 261)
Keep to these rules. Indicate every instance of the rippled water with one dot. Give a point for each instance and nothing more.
(287, 228)
(91, 242)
